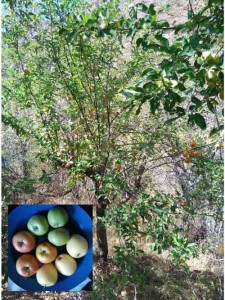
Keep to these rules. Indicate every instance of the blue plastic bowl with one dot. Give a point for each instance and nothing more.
(79, 222)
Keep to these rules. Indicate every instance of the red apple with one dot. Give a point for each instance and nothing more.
(27, 265)
(46, 252)
(23, 241)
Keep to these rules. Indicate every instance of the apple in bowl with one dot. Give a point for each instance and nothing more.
(77, 246)
(47, 275)
(24, 241)
(65, 264)
(46, 252)
(57, 217)
(59, 236)
(38, 225)
(27, 265)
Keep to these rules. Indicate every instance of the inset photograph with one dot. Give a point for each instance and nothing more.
(50, 247)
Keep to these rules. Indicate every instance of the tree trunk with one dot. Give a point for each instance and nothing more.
(101, 231)
(102, 242)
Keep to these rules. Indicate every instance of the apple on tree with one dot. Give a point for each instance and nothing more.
(24, 241)
(59, 236)
(27, 265)
(77, 246)
(65, 264)
(193, 144)
(47, 275)
(38, 225)
(57, 217)
(46, 252)
(211, 76)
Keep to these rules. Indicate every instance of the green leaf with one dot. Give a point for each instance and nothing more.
(137, 89)
(169, 104)
(196, 101)
(180, 27)
(158, 48)
(194, 40)
(113, 32)
(151, 72)
(174, 96)
(159, 249)
(210, 106)
(132, 91)
(170, 121)
(163, 41)
(107, 13)
(133, 12)
(180, 111)
(139, 42)
(86, 18)
(151, 10)
(161, 24)
(154, 105)
(199, 120)
(216, 130)
(71, 36)
(141, 7)
(62, 31)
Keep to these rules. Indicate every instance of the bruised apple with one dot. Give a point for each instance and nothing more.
(65, 264)
(23, 241)
(77, 246)
(47, 275)
(46, 252)
(27, 265)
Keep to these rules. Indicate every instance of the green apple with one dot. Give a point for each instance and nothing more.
(57, 217)
(77, 246)
(210, 57)
(59, 236)
(211, 76)
(65, 264)
(47, 275)
(38, 225)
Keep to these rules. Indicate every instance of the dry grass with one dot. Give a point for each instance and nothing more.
(164, 281)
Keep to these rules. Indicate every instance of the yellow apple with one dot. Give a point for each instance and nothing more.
(211, 75)
(77, 246)
(65, 264)
(47, 275)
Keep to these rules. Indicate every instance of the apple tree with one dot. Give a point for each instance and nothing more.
(71, 70)
(63, 72)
